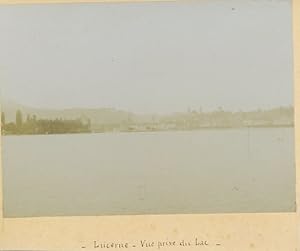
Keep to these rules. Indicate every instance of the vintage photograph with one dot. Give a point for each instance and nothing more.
(147, 108)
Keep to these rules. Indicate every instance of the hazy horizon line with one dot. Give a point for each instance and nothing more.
(187, 109)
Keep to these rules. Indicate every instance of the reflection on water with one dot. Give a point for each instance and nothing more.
(206, 171)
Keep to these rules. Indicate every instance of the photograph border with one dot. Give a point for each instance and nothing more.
(243, 231)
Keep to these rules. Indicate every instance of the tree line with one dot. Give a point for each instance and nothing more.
(33, 125)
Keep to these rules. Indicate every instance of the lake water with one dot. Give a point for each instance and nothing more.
(205, 171)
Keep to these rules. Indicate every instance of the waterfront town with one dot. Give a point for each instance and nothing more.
(129, 122)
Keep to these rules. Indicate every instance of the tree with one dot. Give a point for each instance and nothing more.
(28, 118)
(2, 119)
(89, 124)
(19, 119)
(2, 122)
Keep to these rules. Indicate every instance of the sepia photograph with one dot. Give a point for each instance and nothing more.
(148, 108)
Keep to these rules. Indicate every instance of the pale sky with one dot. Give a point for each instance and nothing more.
(148, 57)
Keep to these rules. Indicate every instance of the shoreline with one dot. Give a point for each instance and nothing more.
(158, 131)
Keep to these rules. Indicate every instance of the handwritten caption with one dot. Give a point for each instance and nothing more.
(150, 244)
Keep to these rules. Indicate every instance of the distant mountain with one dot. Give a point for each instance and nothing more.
(107, 119)
(97, 116)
